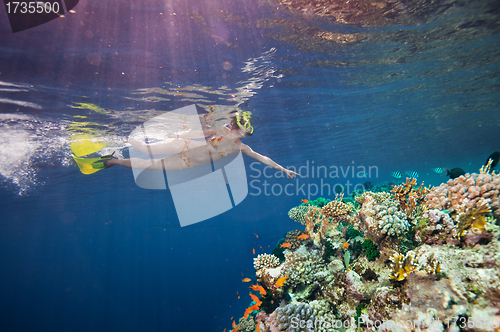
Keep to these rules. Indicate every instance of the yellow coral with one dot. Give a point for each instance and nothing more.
(433, 266)
(403, 265)
(485, 169)
(473, 219)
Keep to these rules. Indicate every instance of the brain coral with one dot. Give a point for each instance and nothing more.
(468, 190)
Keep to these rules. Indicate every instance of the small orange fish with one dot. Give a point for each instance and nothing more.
(256, 235)
(303, 237)
(246, 280)
(253, 250)
(305, 201)
(254, 298)
(281, 281)
(345, 245)
(234, 324)
(238, 297)
(250, 309)
(285, 245)
(258, 288)
(258, 328)
(235, 329)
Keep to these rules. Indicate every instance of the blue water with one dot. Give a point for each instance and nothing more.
(98, 253)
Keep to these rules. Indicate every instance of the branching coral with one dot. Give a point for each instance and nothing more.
(314, 218)
(264, 261)
(468, 190)
(432, 266)
(408, 197)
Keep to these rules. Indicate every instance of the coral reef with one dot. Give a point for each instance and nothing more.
(264, 261)
(360, 277)
(467, 190)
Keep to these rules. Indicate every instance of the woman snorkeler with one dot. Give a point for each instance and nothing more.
(188, 152)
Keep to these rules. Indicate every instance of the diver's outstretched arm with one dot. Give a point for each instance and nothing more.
(266, 160)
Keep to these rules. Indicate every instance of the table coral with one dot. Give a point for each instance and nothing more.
(467, 190)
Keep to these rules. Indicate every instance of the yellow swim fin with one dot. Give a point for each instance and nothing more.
(85, 164)
(84, 144)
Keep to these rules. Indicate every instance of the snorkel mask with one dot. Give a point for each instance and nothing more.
(245, 116)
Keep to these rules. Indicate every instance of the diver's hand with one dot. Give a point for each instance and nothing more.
(290, 173)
